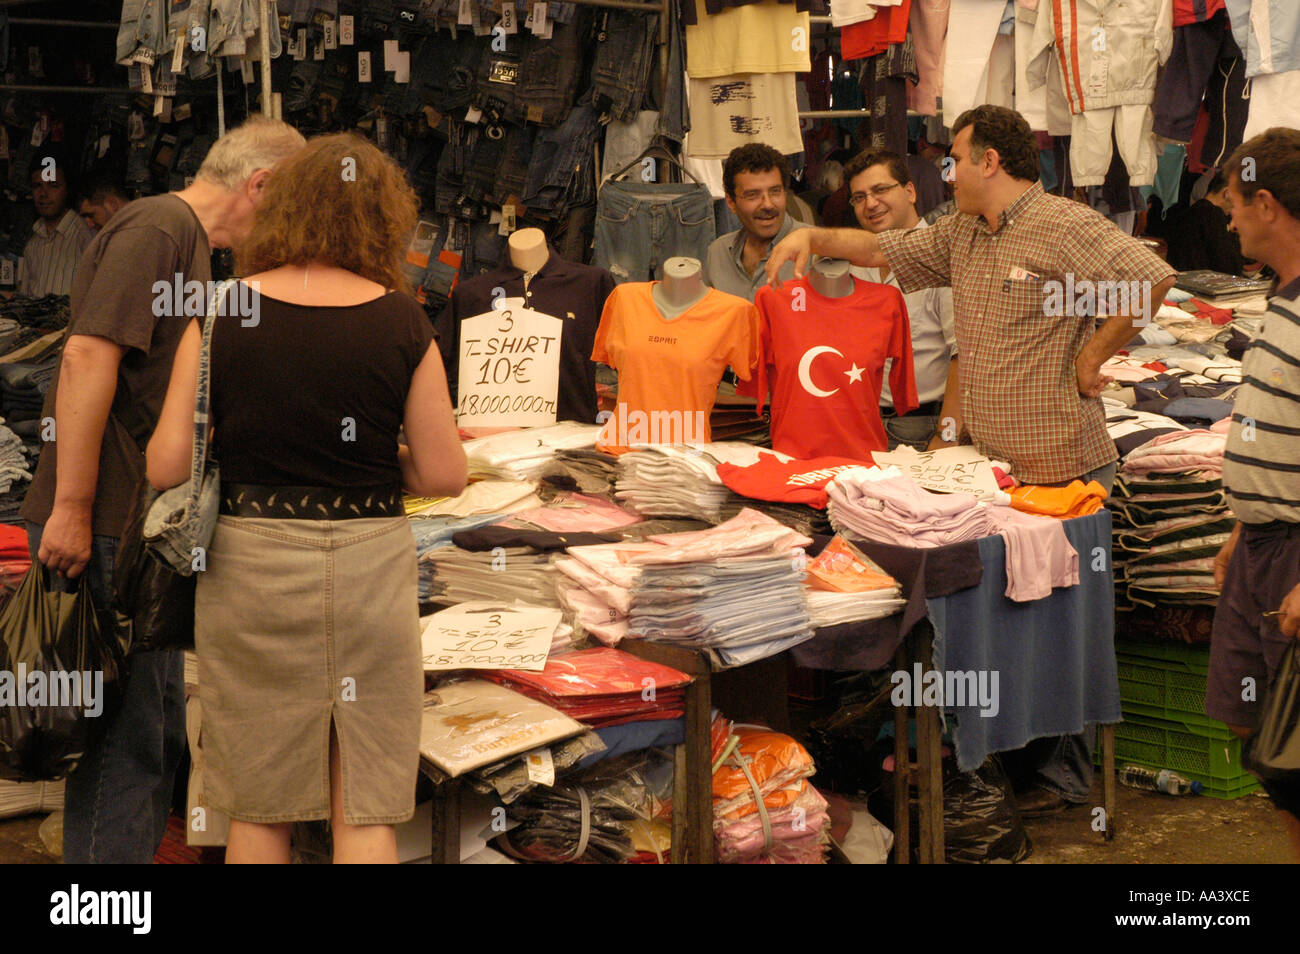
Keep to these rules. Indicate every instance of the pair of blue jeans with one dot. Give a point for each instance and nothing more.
(640, 225)
(118, 798)
(625, 47)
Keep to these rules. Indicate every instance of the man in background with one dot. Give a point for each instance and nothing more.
(756, 179)
(883, 197)
(102, 195)
(58, 236)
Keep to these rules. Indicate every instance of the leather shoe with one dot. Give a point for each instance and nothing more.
(1038, 802)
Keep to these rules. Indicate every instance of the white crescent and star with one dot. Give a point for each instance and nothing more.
(805, 370)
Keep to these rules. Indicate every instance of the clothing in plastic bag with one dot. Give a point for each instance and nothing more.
(58, 677)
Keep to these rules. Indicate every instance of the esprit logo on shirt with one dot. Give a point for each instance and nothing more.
(661, 339)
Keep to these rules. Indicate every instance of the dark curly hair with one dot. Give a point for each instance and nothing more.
(1007, 133)
(753, 157)
(1273, 158)
(864, 160)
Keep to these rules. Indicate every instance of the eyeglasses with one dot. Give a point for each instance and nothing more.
(753, 195)
(878, 192)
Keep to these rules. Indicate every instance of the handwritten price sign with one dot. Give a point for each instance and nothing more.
(489, 636)
(509, 368)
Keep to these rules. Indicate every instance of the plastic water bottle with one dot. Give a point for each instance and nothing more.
(1161, 780)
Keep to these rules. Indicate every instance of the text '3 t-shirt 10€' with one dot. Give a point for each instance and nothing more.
(823, 359)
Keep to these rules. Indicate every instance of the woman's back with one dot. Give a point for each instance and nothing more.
(312, 393)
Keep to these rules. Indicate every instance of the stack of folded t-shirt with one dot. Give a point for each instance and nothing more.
(602, 687)
(529, 453)
(883, 505)
(765, 811)
(682, 480)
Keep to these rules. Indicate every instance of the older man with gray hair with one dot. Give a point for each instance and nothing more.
(105, 402)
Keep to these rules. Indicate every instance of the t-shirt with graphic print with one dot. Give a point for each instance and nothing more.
(668, 371)
(823, 360)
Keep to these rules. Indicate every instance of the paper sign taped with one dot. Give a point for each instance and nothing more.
(509, 369)
(484, 635)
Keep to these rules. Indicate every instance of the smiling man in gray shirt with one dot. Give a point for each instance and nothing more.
(756, 179)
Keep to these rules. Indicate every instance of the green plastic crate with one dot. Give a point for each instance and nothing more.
(1211, 756)
(1164, 690)
(1193, 658)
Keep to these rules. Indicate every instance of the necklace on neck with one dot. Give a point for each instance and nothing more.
(305, 272)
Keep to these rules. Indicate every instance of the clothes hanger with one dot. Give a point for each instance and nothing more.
(659, 151)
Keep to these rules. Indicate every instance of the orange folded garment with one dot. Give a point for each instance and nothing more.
(1073, 500)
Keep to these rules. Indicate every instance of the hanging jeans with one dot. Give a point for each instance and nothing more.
(640, 225)
(625, 46)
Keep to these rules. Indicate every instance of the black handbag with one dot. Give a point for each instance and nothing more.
(153, 605)
(1273, 753)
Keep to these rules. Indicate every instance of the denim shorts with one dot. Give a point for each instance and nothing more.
(640, 225)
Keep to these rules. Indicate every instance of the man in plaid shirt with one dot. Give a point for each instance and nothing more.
(1030, 274)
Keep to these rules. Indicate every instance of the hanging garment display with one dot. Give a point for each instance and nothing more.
(831, 406)
(1109, 54)
(739, 108)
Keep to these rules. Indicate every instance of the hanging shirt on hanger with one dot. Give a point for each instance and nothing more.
(824, 358)
(668, 371)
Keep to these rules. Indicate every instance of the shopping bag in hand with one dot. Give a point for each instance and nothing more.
(58, 678)
(1273, 752)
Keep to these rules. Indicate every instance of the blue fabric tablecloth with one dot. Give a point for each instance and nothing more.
(1054, 658)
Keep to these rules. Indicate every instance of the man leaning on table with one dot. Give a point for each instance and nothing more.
(1258, 569)
(1027, 387)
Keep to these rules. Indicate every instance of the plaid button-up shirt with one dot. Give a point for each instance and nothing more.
(1018, 333)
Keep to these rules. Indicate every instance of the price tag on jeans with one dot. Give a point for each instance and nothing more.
(347, 30)
(318, 51)
(473, 114)
(178, 54)
(6, 271)
(403, 72)
(390, 55)
(363, 66)
(465, 15)
(331, 35)
(146, 79)
(509, 19)
(534, 114)
(539, 16)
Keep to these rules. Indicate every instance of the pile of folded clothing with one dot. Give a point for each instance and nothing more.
(567, 512)
(1171, 518)
(765, 811)
(526, 454)
(880, 504)
(30, 798)
(586, 469)
(601, 687)
(683, 480)
(23, 386)
(14, 465)
(843, 585)
(734, 590)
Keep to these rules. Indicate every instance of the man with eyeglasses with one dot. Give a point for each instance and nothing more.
(883, 197)
(755, 178)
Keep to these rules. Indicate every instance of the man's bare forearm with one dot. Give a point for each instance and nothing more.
(1118, 330)
(855, 245)
(87, 384)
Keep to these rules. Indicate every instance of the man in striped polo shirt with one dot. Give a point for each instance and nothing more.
(1258, 569)
(58, 237)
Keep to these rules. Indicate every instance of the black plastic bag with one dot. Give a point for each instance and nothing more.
(980, 820)
(153, 605)
(58, 678)
(1273, 752)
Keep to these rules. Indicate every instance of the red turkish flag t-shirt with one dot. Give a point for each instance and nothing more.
(823, 360)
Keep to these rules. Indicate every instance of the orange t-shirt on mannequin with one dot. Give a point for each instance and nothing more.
(668, 371)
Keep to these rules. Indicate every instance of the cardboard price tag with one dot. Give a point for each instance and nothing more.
(509, 368)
